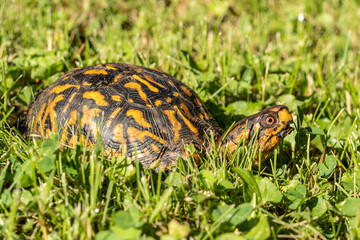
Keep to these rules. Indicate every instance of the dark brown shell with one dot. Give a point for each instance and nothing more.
(128, 107)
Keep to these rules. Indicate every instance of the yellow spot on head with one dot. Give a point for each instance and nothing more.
(285, 115)
(96, 71)
(97, 97)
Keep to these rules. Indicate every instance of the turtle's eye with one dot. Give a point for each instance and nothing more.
(270, 120)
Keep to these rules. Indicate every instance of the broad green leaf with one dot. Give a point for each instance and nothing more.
(261, 230)
(207, 179)
(123, 220)
(327, 169)
(248, 179)
(128, 233)
(178, 230)
(317, 206)
(269, 191)
(225, 185)
(230, 236)
(351, 207)
(315, 131)
(241, 213)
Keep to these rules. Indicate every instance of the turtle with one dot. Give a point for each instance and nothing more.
(144, 113)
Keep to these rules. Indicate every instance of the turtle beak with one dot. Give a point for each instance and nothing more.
(287, 130)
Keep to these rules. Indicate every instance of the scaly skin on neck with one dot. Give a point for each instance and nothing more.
(270, 126)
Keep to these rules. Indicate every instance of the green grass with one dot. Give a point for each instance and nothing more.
(240, 57)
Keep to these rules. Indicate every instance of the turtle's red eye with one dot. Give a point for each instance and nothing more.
(270, 120)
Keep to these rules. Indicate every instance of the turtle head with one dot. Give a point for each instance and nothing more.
(267, 127)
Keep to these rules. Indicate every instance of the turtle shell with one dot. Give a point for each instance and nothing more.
(140, 111)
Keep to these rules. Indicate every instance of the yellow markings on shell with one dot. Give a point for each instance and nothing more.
(138, 116)
(177, 126)
(118, 134)
(69, 101)
(111, 67)
(130, 100)
(151, 87)
(136, 86)
(87, 118)
(154, 148)
(197, 102)
(97, 97)
(50, 111)
(116, 79)
(150, 79)
(206, 115)
(112, 116)
(158, 103)
(201, 116)
(71, 121)
(73, 140)
(96, 71)
(186, 110)
(168, 100)
(47, 132)
(65, 78)
(138, 70)
(186, 90)
(156, 69)
(116, 98)
(187, 122)
(134, 134)
(87, 84)
(60, 88)
(147, 152)
(38, 118)
(175, 94)
(171, 83)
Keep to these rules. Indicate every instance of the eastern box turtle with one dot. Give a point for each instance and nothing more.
(142, 110)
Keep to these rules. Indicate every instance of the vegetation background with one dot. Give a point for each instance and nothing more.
(240, 57)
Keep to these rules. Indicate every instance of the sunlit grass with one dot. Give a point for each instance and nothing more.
(240, 57)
